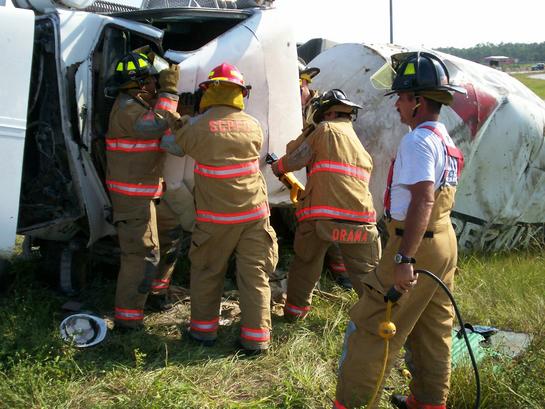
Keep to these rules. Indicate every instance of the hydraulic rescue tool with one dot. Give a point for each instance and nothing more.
(387, 330)
(289, 180)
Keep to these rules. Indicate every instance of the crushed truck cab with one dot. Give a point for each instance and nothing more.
(60, 58)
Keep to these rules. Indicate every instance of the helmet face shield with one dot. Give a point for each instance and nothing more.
(414, 72)
(384, 77)
(159, 64)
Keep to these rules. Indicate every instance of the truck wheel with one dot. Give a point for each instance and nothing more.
(65, 264)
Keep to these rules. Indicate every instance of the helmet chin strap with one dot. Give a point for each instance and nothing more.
(416, 106)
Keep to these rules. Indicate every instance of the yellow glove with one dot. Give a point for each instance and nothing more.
(168, 79)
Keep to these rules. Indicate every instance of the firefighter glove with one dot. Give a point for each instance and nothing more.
(168, 80)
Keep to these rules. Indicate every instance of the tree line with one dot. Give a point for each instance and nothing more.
(524, 53)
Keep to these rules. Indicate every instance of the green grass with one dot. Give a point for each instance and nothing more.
(157, 368)
(536, 85)
(506, 291)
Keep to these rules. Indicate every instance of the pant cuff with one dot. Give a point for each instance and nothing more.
(293, 311)
(412, 403)
(338, 405)
(255, 338)
(204, 330)
(128, 317)
(159, 286)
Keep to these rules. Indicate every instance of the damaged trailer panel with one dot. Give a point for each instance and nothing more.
(499, 126)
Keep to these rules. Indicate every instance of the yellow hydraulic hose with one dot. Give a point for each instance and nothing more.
(386, 330)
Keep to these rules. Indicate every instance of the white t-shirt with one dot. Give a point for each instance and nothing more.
(420, 157)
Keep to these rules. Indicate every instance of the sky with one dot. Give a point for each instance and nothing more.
(428, 23)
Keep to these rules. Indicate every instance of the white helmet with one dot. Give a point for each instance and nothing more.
(83, 330)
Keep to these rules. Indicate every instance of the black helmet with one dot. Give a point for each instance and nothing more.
(133, 67)
(332, 98)
(420, 71)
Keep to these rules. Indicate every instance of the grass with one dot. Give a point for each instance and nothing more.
(536, 85)
(506, 291)
(157, 368)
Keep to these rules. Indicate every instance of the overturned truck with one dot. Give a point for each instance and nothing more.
(60, 57)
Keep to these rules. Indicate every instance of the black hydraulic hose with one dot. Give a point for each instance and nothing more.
(393, 295)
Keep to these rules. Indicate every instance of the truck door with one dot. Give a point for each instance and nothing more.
(16, 44)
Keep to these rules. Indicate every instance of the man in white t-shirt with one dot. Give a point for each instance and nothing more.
(420, 157)
(418, 200)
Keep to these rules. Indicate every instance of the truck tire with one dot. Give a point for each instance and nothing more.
(65, 265)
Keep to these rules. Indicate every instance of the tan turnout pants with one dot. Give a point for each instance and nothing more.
(149, 237)
(335, 261)
(359, 245)
(423, 318)
(256, 252)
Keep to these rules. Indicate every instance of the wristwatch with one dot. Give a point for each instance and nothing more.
(401, 259)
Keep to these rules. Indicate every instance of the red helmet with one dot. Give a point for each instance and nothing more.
(225, 73)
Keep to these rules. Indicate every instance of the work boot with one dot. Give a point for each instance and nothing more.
(159, 303)
(124, 329)
(399, 401)
(344, 282)
(203, 342)
(250, 353)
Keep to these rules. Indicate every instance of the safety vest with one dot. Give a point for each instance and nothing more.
(455, 159)
(229, 187)
(133, 152)
(338, 177)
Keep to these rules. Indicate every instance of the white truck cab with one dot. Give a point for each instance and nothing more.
(57, 60)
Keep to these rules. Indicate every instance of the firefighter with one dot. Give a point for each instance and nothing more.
(149, 233)
(418, 200)
(232, 210)
(310, 97)
(306, 75)
(336, 206)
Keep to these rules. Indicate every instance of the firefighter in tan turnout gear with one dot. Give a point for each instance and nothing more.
(149, 232)
(309, 97)
(418, 200)
(336, 206)
(232, 211)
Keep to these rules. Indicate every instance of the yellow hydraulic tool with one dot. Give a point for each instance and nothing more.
(289, 180)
